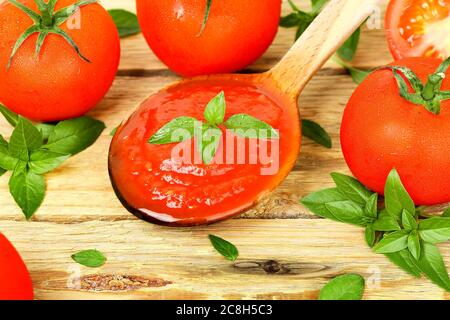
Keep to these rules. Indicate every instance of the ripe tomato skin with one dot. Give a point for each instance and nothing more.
(380, 131)
(58, 84)
(237, 33)
(15, 281)
(416, 28)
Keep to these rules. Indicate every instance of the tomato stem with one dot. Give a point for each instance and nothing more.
(429, 95)
(432, 87)
(206, 17)
(47, 22)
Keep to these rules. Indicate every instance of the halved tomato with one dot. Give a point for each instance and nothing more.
(418, 28)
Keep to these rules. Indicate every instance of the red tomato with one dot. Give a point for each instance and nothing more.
(418, 28)
(157, 187)
(381, 130)
(236, 33)
(57, 84)
(15, 281)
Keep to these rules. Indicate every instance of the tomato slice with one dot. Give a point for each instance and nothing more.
(15, 281)
(158, 187)
(417, 28)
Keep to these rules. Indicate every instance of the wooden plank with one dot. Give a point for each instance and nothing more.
(147, 261)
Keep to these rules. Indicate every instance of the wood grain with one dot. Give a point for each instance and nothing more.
(286, 252)
(148, 261)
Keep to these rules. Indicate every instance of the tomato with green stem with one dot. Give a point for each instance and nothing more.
(416, 28)
(58, 57)
(399, 117)
(208, 36)
(15, 281)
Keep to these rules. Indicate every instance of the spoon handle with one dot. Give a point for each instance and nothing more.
(337, 21)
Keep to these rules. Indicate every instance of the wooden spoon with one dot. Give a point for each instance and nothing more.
(154, 188)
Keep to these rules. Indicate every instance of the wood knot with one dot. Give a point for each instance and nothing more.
(305, 270)
(116, 283)
(273, 266)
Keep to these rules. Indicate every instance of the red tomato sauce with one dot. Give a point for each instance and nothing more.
(158, 188)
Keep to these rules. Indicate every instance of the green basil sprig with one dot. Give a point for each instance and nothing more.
(344, 287)
(396, 229)
(301, 20)
(34, 150)
(208, 134)
(89, 258)
(316, 133)
(224, 247)
(126, 22)
(446, 213)
(358, 75)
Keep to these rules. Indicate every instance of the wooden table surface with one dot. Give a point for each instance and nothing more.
(285, 251)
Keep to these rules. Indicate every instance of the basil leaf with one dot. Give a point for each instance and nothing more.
(386, 222)
(317, 5)
(370, 235)
(126, 22)
(290, 21)
(408, 221)
(303, 25)
(114, 130)
(43, 161)
(24, 139)
(3, 152)
(357, 75)
(46, 129)
(348, 49)
(392, 242)
(7, 162)
(405, 261)
(414, 244)
(89, 258)
(348, 212)
(215, 110)
(446, 213)
(11, 117)
(345, 287)
(225, 248)
(247, 126)
(396, 197)
(3, 144)
(315, 132)
(75, 135)
(435, 230)
(292, 5)
(177, 130)
(298, 18)
(432, 265)
(351, 188)
(27, 189)
(371, 208)
(316, 202)
(208, 143)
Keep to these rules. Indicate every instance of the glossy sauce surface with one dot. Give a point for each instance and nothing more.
(158, 187)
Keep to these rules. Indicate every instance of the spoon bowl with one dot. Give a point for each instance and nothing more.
(156, 186)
